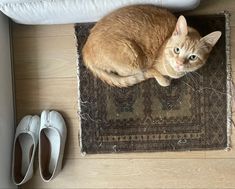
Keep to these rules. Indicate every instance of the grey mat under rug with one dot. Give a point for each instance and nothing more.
(194, 113)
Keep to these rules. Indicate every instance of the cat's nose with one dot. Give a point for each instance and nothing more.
(179, 62)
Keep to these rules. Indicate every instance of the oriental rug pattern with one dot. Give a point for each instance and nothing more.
(193, 113)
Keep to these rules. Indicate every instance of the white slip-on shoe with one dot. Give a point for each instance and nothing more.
(25, 144)
(52, 138)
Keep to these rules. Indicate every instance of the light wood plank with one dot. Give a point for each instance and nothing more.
(141, 173)
(48, 57)
(58, 93)
(38, 31)
(31, 49)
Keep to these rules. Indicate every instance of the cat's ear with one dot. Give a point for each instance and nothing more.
(181, 27)
(211, 38)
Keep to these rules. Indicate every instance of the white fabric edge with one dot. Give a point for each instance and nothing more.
(78, 11)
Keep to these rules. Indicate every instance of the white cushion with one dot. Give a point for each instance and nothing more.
(17, 1)
(76, 11)
(180, 4)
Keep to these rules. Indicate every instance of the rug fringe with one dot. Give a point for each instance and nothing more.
(79, 99)
(229, 81)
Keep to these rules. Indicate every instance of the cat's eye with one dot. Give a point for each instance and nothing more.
(177, 50)
(192, 57)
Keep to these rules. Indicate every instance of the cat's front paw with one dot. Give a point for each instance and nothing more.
(164, 81)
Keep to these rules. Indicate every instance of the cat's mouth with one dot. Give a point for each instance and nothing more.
(174, 71)
(177, 68)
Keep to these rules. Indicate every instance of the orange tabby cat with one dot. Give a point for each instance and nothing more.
(139, 42)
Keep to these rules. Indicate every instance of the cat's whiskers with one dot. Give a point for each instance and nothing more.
(192, 77)
(197, 74)
(215, 91)
(190, 86)
(205, 88)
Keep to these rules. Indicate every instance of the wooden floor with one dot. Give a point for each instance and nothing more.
(45, 78)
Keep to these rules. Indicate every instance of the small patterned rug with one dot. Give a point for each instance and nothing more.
(193, 113)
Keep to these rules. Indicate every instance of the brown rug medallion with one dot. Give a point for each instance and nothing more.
(192, 114)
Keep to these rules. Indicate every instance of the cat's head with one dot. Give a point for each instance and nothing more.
(186, 50)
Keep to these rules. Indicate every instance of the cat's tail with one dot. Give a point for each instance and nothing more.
(117, 80)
